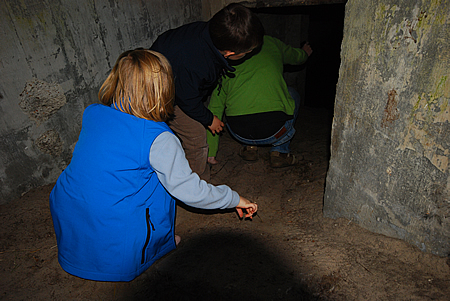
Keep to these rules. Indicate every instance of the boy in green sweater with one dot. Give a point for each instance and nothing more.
(259, 107)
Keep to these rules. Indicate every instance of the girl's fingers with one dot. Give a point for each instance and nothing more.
(250, 209)
(240, 212)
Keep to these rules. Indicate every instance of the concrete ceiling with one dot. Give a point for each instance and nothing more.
(279, 3)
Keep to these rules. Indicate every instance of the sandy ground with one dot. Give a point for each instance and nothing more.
(289, 251)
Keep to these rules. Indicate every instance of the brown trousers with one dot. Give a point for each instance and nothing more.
(193, 139)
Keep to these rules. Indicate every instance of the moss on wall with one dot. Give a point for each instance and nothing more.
(61, 52)
(389, 169)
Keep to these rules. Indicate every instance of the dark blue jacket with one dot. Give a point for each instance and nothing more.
(197, 66)
(112, 216)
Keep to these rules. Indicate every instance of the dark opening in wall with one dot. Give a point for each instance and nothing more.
(322, 26)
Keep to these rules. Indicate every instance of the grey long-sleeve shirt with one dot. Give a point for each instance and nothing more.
(168, 160)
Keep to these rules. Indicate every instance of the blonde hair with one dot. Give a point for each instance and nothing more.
(141, 84)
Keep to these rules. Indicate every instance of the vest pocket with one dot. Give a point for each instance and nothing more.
(150, 227)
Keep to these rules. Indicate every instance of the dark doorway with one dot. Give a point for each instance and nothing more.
(322, 26)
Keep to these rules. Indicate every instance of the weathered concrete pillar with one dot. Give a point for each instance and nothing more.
(390, 149)
(54, 55)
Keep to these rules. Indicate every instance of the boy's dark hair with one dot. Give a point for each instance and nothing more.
(236, 28)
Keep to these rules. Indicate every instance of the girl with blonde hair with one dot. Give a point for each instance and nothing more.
(113, 207)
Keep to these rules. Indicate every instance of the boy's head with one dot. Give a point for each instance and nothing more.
(236, 31)
(141, 84)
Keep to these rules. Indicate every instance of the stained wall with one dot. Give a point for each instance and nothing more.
(390, 148)
(54, 55)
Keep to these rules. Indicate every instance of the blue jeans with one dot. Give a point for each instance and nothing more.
(281, 140)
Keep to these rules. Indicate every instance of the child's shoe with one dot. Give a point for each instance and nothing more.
(278, 160)
(249, 153)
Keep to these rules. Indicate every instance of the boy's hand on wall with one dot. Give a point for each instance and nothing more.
(307, 48)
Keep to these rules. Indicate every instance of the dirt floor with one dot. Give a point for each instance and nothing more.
(289, 251)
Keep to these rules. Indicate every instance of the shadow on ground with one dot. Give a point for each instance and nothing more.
(219, 266)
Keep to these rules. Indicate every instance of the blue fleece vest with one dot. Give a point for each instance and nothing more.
(112, 217)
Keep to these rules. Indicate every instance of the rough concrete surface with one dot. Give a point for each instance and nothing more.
(54, 55)
(390, 143)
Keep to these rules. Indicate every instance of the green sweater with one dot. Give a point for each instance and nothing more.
(257, 87)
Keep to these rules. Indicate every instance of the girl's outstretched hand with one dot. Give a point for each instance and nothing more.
(249, 207)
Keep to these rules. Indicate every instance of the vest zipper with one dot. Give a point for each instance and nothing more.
(147, 240)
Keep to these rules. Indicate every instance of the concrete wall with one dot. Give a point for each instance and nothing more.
(210, 7)
(54, 55)
(389, 167)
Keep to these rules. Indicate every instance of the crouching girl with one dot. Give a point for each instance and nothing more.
(113, 207)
